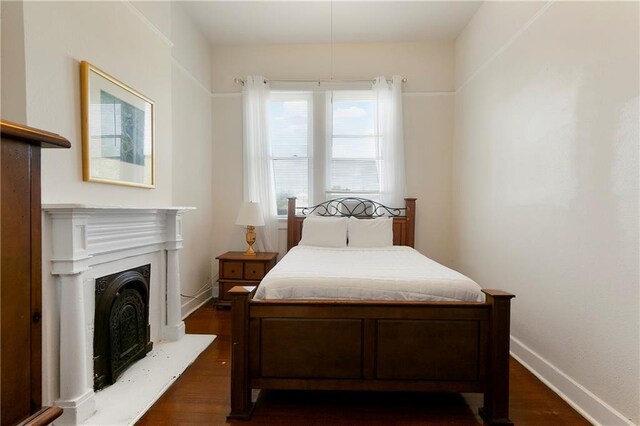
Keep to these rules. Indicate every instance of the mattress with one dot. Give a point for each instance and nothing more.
(388, 273)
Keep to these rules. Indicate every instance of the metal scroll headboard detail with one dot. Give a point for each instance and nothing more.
(353, 206)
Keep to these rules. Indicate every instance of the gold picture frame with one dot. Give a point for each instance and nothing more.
(118, 131)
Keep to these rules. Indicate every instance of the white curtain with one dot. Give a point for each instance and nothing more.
(258, 168)
(391, 140)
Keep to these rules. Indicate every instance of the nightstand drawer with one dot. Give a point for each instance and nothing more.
(253, 271)
(232, 270)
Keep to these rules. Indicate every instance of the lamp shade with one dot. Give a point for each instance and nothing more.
(250, 215)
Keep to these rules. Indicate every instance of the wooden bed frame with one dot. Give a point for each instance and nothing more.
(380, 346)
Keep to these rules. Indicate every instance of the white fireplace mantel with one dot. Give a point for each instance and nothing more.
(92, 239)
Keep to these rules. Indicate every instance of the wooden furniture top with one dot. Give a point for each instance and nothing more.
(45, 416)
(239, 255)
(32, 135)
(21, 264)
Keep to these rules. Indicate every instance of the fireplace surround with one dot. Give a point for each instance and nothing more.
(88, 243)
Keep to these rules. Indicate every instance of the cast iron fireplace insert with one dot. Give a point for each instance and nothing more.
(121, 332)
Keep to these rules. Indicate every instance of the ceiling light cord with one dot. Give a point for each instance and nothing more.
(331, 62)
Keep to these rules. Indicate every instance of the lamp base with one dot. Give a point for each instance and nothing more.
(251, 239)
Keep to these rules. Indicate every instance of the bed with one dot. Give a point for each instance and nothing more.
(288, 340)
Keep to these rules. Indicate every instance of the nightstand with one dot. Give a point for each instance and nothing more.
(234, 268)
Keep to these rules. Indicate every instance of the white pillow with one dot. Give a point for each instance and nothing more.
(376, 232)
(321, 231)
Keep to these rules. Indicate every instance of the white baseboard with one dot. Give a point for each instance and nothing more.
(192, 304)
(577, 396)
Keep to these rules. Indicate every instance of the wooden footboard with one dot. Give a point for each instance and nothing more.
(371, 345)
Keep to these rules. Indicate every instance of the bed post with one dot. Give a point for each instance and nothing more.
(496, 396)
(241, 405)
(410, 204)
(291, 223)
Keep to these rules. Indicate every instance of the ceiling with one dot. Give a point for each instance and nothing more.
(285, 22)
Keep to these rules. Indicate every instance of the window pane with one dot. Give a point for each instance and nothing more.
(353, 117)
(290, 142)
(355, 147)
(354, 175)
(288, 147)
(289, 127)
(291, 180)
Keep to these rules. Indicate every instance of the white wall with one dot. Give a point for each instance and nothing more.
(546, 189)
(191, 49)
(58, 35)
(192, 154)
(13, 96)
(428, 123)
(154, 48)
(227, 189)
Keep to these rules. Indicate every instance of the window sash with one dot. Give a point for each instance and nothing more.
(276, 160)
(354, 97)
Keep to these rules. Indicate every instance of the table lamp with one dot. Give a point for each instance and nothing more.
(250, 216)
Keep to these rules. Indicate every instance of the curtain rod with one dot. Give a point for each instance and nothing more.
(241, 81)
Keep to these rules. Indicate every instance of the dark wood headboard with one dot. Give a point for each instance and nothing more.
(403, 217)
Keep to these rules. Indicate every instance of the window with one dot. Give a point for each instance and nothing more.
(353, 167)
(290, 138)
(344, 140)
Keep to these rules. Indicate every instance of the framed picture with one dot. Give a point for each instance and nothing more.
(118, 140)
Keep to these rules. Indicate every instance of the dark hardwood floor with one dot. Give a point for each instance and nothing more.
(201, 396)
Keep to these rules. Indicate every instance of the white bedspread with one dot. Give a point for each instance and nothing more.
(390, 273)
